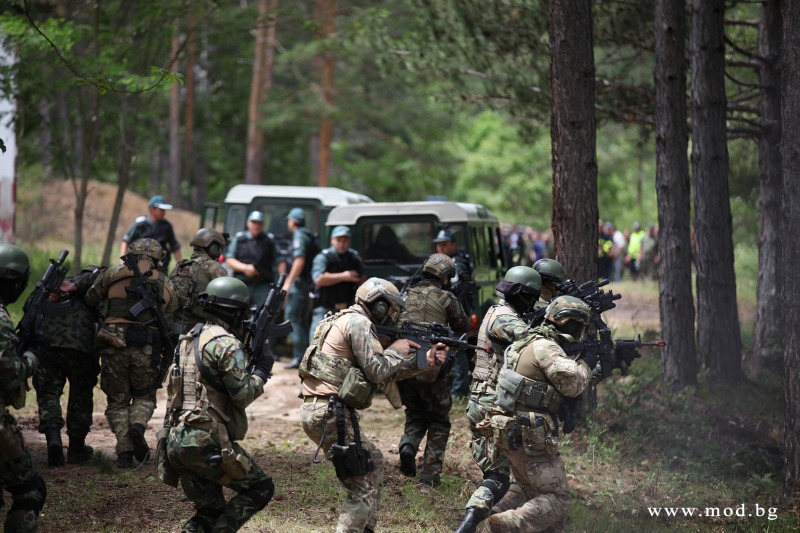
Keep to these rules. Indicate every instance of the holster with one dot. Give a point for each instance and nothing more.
(350, 460)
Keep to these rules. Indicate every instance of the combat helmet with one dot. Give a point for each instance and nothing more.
(550, 270)
(380, 300)
(14, 271)
(440, 266)
(147, 247)
(210, 240)
(570, 315)
(520, 287)
(227, 292)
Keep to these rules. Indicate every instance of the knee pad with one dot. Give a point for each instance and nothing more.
(260, 493)
(497, 483)
(33, 502)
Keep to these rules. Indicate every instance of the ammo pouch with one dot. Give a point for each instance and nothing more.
(164, 470)
(509, 387)
(356, 391)
(350, 460)
(111, 338)
(235, 465)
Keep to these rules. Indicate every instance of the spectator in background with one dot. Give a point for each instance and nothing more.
(633, 257)
(253, 257)
(617, 254)
(156, 226)
(648, 254)
(298, 283)
(605, 244)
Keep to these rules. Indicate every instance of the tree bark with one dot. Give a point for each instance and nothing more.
(174, 124)
(768, 337)
(789, 285)
(572, 128)
(188, 113)
(326, 13)
(718, 338)
(676, 303)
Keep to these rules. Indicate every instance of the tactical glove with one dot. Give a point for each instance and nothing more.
(263, 368)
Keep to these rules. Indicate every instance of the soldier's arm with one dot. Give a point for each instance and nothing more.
(456, 317)
(14, 370)
(569, 377)
(508, 328)
(378, 364)
(232, 366)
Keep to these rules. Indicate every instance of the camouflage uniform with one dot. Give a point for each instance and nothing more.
(427, 396)
(129, 350)
(189, 278)
(501, 326)
(69, 356)
(540, 498)
(208, 405)
(17, 475)
(348, 341)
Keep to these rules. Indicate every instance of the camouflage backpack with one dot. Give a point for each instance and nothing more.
(189, 278)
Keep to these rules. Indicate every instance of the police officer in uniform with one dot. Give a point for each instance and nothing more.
(298, 283)
(69, 355)
(191, 277)
(17, 475)
(526, 429)
(252, 256)
(502, 325)
(130, 348)
(209, 390)
(154, 225)
(337, 272)
(427, 396)
(346, 350)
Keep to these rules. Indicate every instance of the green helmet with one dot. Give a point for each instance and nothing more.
(14, 272)
(380, 300)
(226, 292)
(147, 247)
(520, 288)
(550, 270)
(566, 308)
(440, 266)
(210, 240)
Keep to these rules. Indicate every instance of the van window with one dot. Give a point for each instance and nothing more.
(479, 249)
(399, 242)
(275, 216)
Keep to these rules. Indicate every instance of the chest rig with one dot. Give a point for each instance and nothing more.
(325, 367)
(488, 364)
(517, 393)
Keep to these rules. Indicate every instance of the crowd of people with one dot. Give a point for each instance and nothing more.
(190, 331)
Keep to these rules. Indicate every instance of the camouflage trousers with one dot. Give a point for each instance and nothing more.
(18, 477)
(539, 500)
(127, 377)
(56, 367)
(427, 411)
(488, 458)
(360, 507)
(188, 451)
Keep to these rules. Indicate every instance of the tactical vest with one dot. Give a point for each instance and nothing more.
(329, 368)
(119, 301)
(519, 393)
(189, 279)
(426, 303)
(340, 295)
(311, 251)
(255, 251)
(487, 352)
(201, 400)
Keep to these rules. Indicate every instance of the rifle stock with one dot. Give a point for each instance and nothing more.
(28, 327)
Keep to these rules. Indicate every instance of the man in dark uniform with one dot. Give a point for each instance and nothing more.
(252, 256)
(156, 226)
(298, 283)
(446, 244)
(337, 272)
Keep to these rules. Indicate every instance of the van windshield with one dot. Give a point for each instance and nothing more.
(397, 243)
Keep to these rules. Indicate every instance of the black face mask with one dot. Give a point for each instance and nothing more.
(574, 329)
(11, 290)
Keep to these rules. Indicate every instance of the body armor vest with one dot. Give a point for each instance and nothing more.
(255, 251)
(488, 361)
(329, 368)
(340, 295)
(426, 303)
(522, 394)
(119, 300)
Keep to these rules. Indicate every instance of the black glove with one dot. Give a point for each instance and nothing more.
(591, 358)
(263, 368)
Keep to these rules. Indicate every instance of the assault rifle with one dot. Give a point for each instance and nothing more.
(425, 335)
(260, 326)
(590, 292)
(28, 327)
(150, 300)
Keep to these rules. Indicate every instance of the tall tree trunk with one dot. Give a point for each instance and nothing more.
(768, 339)
(679, 357)
(790, 227)
(266, 34)
(718, 336)
(174, 124)
(188, 118)
(572, 130)
(326, 13)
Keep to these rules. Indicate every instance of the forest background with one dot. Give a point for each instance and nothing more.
(396, 100)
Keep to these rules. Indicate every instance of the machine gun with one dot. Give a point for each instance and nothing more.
(260, 326)
(28, 327)
(150, 300)
(425, 335)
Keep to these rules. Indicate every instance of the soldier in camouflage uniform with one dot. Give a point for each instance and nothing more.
(347, 344)
(191, 277)
(526, 430)
(130, 348)
(427, 396)
(501, 326)
(17, 475)
(206, 409)
(552, 274)
(69, 356)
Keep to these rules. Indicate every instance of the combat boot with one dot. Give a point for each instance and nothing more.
(433, 482)
(78, 452)
(469, 524)
(140, 449)
(408, 462)
(55, 448)
(125, 460)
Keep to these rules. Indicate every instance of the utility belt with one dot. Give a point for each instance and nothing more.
(122, 335)
(349, 459)
(536, 434)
